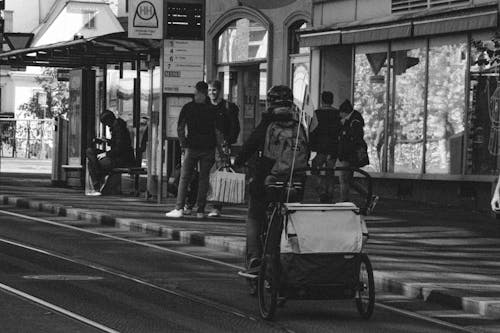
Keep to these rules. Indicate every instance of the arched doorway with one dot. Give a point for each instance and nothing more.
(241, 59)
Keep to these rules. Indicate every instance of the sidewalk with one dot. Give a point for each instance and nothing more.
(443, 255)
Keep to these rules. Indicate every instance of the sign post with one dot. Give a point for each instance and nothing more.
(145, 19)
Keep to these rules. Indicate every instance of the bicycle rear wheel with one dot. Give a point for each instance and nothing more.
(268, 285)
(365, 295)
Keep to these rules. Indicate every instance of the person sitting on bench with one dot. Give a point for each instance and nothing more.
(120, 155)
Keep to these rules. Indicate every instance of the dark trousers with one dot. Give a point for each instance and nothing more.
(255, 224)
(206, 159)
(98, 168)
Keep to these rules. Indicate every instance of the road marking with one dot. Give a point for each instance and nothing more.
(37, 219)
(56, 308)
(126, 276)
(62, 277)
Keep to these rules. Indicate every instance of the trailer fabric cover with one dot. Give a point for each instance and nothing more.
(333, 228)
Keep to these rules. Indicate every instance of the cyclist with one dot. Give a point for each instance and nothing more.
(280, 108)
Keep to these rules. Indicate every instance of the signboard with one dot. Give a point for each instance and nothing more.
(145, 19)
(183, 65)
(174, 107)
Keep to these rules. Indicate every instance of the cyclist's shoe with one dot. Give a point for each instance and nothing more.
(253, 266)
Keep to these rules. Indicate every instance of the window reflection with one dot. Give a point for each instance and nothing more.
(446, 101)
(242, 40)
(370, 89)
(406, 119)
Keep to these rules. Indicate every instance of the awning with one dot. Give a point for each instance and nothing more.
(320, 38)
(427, 23)
(373, 34)
(445, 25)
(94, 51)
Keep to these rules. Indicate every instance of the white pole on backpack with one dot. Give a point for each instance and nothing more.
(294, 154)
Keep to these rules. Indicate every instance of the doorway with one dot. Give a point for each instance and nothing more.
(246, 86)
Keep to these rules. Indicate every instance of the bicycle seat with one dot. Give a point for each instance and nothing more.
(277, 189)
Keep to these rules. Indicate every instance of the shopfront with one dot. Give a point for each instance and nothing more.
(427, 91)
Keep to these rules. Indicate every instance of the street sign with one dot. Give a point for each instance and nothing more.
(183, 65)
(145, 19)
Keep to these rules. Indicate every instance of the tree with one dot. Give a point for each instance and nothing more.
(56, 92)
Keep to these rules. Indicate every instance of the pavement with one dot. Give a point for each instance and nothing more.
(443, 255)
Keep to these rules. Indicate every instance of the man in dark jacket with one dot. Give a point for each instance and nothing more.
(227, 130)
(121, 153)
(198, 146)
(324, 141)
(350, 138)
(278, 96)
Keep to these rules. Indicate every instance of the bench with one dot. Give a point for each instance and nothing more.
(132, 171)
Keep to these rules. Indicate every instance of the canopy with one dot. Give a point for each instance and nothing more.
(94, 51)
(427, 23)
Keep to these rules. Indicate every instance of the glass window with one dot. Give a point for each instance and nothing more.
(242, 40)
(445, 105)
(370, 98)
(293, 38)
(406, 115)
(483, 116)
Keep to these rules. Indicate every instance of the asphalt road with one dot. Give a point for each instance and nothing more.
(129, 287)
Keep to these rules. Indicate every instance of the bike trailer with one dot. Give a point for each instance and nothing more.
(320, 250)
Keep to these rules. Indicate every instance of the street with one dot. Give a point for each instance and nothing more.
(110, 278)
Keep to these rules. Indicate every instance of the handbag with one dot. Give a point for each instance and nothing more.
(226, 186)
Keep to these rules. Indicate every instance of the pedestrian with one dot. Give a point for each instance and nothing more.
(120, 154)
(323, 138)
(351, 143)
(198, 147)
(227, 131)
(280, 109)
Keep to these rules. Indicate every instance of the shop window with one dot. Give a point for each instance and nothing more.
(483, 116)
(243, 40)
(370, 98)
(406, 114)
(445, 105)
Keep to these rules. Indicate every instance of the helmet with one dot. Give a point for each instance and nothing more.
(280, 95)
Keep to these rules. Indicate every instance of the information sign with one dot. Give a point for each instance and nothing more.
(183, 65)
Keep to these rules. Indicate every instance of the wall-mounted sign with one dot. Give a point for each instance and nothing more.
(145, 19)
(183, 65)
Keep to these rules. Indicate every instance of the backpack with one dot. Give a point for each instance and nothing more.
(280, 144)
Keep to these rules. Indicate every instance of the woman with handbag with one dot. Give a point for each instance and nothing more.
(352, 152)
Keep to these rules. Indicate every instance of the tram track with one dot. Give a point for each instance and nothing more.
(178, 293)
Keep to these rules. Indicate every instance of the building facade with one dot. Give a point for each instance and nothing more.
(420, 73)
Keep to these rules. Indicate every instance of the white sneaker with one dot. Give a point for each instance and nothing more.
(214, 213)
(187, 211)
(200, 215)
(93, 193)
(176, 213)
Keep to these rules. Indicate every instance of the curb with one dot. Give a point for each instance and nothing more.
(429, 292)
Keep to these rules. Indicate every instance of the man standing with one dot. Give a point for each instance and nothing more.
(198, 146)
(324, 141)
(227, 130)
(121, 153)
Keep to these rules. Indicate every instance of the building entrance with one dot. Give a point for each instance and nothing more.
(245, 85)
